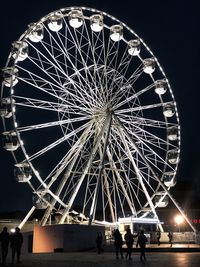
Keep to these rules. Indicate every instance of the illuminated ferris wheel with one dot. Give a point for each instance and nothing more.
(90, 119)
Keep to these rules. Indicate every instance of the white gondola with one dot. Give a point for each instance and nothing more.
(10, 141)
(55, 22)
(37, 33)
(160, 200)
(41, 199)
(173, 156)
(169, 110)
(134, 47)
(116, 33)
(20, 50)
(5, 108)
(23, 172)
(149, 65)
(172, 133)
(4, 112)
(169, 179)
(160, 87)
(96, 22)
(75, 18)
(10, 76)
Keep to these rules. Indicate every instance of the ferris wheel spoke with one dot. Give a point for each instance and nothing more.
(71, 156)
(89, 161)
(139, 108)
(151, 151)
(57, 142)
(87, 75)
(108, 195)
(54, 90)
(106, 190)
(134, 157)
(132, 97)
(51, 124)
(122, 67)
(139, 176)
(148, 136)
(40, 82)
(120, 181)
(63, 165)
(47, 62)
(142, 121)
(110, 53)
(74, 67)
(130, 182)
(95, 43)
(49, 92)
(47, 105)
(97, 83)
(40, 104)
(153, 154)
(61, 85)
(135, 75)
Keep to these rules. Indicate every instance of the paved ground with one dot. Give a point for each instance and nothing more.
(180, 255)
(107, 259)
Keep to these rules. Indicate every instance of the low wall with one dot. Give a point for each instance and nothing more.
(178, 237)
(68, 237)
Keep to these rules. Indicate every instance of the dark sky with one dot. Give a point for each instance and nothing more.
(171, 29)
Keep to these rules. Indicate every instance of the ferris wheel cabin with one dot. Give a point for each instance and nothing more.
(10, 141)
(5, 108)
(23, 172)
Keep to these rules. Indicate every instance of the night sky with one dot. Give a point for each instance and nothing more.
(172, 31)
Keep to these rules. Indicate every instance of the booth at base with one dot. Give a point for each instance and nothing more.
(65, 237)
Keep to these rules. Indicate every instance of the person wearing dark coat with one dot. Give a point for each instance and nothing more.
(4, 239)
(170, 236)
(99, 241)
(158, 236)
(142, 240)
(118, 243)
(129, 239)
(16, 240)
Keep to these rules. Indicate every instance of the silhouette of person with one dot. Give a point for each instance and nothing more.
(142, 240)
(16, 241)
(170, 236)
(129, 239)
(99, 241)
(158, 236)
(118, 243)
(4, 239)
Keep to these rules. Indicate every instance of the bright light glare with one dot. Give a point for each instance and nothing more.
(179, 219)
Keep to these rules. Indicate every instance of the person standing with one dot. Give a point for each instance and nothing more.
(99, 241)
(170, 236)
(142, 240)
(16, 241)
(129, 239)
(4, 239)
(158, 236)
(118, 243)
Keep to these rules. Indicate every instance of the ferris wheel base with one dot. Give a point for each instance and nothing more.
(65, 237)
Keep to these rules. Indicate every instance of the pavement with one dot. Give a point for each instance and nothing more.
(107, 259)
(185, 257)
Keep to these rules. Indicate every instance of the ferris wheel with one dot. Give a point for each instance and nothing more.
(90, 118)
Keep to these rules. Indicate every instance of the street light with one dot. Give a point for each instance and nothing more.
(179, 220)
